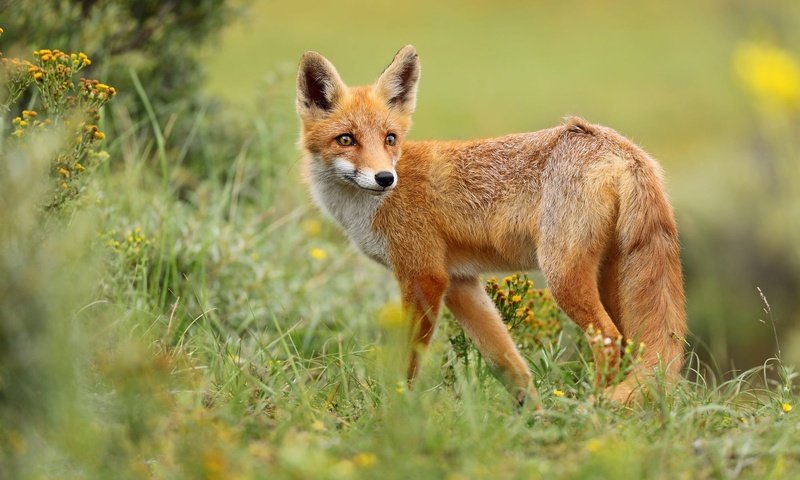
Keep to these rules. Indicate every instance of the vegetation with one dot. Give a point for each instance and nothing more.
(179, 310)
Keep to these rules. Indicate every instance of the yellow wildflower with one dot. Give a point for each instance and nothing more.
(516, 298)
(312, 228)
(365, 460)
(400, 387)
(79, 167)
(769, 73)
(318, 254)
(594, 445)
(391, 315)
(38, 76)
(98, 135)
(558, 393)
(786, 407)
(318, 426)
(63, 172)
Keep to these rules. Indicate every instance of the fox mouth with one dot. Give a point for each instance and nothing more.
(365, 180)
(352, 178)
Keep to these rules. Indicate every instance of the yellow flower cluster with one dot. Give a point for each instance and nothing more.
(318, 254)
(92, 133)
(769, 73)
(521, 305)
(76, 60)
(365, 460)
(131, 244)
(391, 315)
(74, 106)
(25, 121)
(20, 73)
(94, 90)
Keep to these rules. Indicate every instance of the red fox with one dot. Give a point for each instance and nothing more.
(578, 201)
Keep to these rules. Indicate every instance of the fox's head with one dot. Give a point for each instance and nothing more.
(354, 135)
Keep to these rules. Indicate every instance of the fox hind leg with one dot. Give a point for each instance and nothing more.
(571, 247)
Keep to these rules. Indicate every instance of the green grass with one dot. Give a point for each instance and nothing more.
(223, 349)
(211, 343)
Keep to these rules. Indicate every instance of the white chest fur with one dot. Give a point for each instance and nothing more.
(353, 209)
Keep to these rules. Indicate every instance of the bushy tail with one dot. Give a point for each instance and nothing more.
(650, 292)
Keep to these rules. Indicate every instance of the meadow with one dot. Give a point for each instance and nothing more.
(173, 306)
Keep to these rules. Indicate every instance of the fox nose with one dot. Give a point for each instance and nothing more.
(384, 179)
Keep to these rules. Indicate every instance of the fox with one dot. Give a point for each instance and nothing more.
(579, 202)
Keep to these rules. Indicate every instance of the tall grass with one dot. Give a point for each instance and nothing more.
(172, 332)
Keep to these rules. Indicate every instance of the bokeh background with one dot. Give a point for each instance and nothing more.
(710, 88)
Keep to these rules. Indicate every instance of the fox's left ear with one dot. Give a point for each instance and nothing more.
(398, 83)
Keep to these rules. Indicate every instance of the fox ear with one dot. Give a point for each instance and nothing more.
(319, 87)
(398, 83)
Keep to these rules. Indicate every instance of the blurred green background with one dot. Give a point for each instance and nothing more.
(662, 73)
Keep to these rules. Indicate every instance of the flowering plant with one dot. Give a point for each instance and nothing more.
(68, 108)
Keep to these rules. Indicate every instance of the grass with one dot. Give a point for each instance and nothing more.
(220, 328)
(208, 342)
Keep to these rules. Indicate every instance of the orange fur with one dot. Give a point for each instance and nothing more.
(578, 201)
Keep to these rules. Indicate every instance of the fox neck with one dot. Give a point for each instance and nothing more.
(353, 208)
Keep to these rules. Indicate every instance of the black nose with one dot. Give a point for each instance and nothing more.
(384, 179)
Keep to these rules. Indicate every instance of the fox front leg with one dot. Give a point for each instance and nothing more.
(422, 299)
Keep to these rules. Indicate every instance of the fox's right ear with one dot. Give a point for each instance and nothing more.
(319, 87)
(398, 83)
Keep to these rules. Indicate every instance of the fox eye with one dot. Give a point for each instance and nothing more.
(346, 140)
(391, 139)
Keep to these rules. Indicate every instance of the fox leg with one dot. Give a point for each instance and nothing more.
(474, 310)
(573, 281)
(422, 298)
